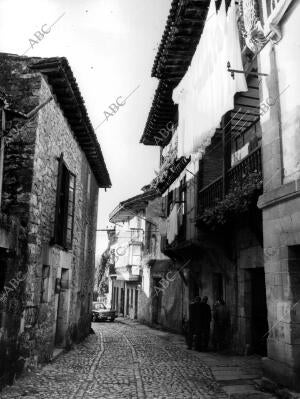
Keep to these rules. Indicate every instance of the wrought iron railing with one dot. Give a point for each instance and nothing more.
(250, 164)
(213, 193)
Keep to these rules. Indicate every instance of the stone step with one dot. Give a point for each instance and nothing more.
(245, 392)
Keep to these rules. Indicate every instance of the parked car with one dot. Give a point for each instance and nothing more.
(100, 312)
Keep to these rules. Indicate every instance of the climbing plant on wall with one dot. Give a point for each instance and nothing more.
(242, 194)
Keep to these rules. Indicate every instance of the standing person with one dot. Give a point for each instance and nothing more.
(221, 324)
(205, 323)
(193, 321)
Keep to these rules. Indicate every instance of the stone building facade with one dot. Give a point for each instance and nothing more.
(126, 247)
(241, 237)
(160, 285)
(52, 170)
(280, 200)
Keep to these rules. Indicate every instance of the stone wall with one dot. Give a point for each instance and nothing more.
(12, 260)
(280, 200)
(161, 295)
(17, 181)
(54, 137)
(29, 192)
(231, 262)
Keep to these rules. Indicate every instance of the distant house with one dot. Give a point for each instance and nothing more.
(159, 279)
(142, 277)
(51, 167)
(126, 245)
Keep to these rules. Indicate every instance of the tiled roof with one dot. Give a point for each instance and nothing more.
(178, 44)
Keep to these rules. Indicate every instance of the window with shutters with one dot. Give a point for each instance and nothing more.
(65, 204)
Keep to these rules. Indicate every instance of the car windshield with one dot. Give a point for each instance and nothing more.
(98, 306)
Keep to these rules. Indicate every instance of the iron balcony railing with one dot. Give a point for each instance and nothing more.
(210, 195)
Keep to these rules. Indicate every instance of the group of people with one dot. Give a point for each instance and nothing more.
(198, 326)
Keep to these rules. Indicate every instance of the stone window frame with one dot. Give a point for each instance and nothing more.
(65, 206)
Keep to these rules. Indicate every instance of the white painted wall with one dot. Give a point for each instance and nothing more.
(288, 63)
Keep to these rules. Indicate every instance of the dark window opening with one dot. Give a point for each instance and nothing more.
(64, 282)
(65, 201)
(170, 203)
(148, 236)
(218, 286)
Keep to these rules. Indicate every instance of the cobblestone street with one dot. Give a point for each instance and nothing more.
(121, 361)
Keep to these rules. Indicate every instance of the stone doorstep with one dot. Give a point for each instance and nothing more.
(268, 385)
(245, 391)
(229, 376)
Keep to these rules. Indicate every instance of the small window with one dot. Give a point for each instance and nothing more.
(217, 283)
(148, 236)
(65, 204)
(45, 283)
(64, 282)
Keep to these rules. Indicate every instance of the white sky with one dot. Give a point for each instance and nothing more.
(110, 45)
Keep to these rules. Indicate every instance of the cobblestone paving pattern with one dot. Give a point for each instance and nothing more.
(121, 361)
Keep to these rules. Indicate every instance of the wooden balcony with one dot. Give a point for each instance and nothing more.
(210, 195)
(250, 164)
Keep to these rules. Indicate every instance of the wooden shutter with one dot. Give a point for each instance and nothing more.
(65, 204)
(57, 222)
(70, 206)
